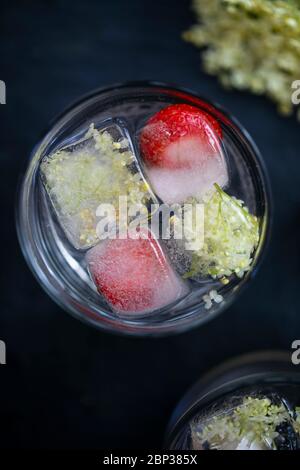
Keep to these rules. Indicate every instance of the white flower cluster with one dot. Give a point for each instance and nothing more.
(78, 180)
(251, 425)
(251, 44)
(231, 234)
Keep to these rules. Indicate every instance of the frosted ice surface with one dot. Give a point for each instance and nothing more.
(134, 274)
(178, 184)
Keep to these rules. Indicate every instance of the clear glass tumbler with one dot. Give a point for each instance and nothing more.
(249, 403)
(61, 268)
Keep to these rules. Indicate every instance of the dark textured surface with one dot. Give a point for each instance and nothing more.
(65, 384)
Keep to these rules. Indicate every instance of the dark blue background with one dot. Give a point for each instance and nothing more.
(65, 384)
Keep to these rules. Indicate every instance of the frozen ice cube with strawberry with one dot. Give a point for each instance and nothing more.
(181, 147)
(133, 274)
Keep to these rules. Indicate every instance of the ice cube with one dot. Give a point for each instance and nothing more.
(134, 274)
(180, 257)
(245, 422)
(183, 154)
(185, 234)
(98, 168)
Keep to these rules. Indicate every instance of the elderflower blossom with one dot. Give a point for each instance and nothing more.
(255, 421)
(211, 297)
(251, 44)
(95, 171)
(231, 235)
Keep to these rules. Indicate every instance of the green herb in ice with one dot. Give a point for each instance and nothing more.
(255, 421)
(99, 171)
(231, 234)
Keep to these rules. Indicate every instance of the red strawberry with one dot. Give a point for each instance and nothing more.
(134, 274)
(180, 136)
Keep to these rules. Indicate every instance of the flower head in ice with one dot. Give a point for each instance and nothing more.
(231, 234)
(98, 170)
(255, 420)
